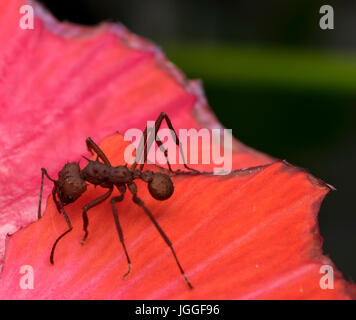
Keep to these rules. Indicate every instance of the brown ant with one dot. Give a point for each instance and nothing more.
(72, 183)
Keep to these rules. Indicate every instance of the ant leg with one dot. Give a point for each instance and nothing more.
(162, 117)
(70, 227)
(165, 152)
(91, 145)
(147, 145)
(45, 173)
(142, 147)
(54, 196)
(119, 198)
(89, 206)
(60, 209)
(133, 189)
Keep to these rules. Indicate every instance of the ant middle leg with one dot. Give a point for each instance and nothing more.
(88, 206)
(133, 189)
(113, 201)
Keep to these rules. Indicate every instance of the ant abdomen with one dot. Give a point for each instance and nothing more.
(161, 186)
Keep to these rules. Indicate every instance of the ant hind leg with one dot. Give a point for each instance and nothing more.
(146, 143)
(91, 145)
(133, 189)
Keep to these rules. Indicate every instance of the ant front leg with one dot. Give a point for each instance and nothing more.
(133, 189)
(54, 196)
(60, 209)
(70, 227)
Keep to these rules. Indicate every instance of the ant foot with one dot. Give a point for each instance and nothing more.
(128, 272)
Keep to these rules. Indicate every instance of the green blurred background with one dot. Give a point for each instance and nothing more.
(283, 85)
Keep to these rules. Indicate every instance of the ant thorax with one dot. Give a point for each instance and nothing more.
(105, 175)
(120, 175)
(96, 173)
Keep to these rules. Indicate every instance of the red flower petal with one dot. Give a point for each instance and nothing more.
(250, 235)
(60, 83)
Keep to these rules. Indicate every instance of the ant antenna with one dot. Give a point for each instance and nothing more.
(44, 173)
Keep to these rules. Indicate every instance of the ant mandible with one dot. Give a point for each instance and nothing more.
(71, 184)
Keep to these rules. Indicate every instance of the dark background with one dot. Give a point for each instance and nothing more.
(283, 85)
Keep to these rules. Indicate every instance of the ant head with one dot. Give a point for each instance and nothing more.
(70, 184)
(160, 185)
(71, 191)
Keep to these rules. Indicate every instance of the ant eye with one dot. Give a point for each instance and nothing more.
(161, 187)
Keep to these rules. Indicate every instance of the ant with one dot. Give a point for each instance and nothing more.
(72, 183)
